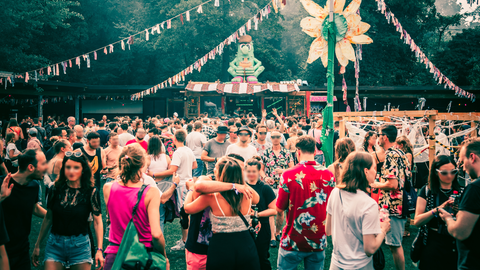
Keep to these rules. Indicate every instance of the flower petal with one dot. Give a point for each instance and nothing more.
(340, 57)
(353, 21)
(314, 9)
(338, 6)
(361, 39)
(311, 26)
(352, 8)
(319, 45)
(360, 29)
(324, 57)
(347, 49)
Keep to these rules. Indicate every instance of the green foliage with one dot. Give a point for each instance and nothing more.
(37, 33)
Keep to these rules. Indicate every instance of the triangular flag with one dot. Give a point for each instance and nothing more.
(169, 24)
(187, 15)
(26, 77)
(147, 35)
(111, 48)
(95, 55)
(105, 50)
(156, 28)
(70, 62)
(217, 3)
(181, 18)
(200, 10)
(58, 70)
(123, 45)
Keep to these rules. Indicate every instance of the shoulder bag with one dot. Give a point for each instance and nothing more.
(132, 254)
(420, 240)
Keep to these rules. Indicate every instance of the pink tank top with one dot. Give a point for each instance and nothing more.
(120, 207)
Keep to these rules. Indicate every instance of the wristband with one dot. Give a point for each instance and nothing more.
(434, 214)
(176, 185)
(99, 249)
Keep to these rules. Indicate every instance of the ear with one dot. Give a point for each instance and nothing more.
(31, 167)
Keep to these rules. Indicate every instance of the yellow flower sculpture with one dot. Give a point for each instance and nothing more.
(349, 29)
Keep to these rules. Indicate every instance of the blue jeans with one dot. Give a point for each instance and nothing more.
(199, 170)
(68, 250)
(320, 159)
(289, 260)
(162, 216)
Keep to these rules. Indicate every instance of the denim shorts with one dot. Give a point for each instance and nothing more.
(395, 235)
(68, 250)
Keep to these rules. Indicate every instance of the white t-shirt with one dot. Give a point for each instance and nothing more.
(12, 146)
(196, 141)
(246, 152)
(147, 180)
(183, 158)
(124, 138)
(355, 215)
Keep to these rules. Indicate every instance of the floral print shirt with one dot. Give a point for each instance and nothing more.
(272, 162)
(303, 194)
(261, 147)
(396, 166)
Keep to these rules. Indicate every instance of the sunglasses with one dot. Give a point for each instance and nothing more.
(276, 137)
(444, 173)
(380, 134)
(243, 134)
(262, 133)
(75, 154)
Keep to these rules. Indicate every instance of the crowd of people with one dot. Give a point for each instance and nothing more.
(239, 187)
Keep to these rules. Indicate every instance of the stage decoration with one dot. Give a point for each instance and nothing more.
(252, 23)
(245, 67)
(348, 29)
(54, 70)
(334, 30)
(241, 88)
(420, 55)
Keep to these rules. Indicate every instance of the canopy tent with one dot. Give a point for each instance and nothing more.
(241, 88)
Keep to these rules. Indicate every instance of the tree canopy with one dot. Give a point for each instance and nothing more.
(36, 33)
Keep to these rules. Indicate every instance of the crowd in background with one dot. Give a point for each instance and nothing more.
(239, 186)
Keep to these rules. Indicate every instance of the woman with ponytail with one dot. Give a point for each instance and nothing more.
(120, 198)
(231, 246)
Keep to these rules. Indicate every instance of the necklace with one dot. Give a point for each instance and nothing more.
(447, 193)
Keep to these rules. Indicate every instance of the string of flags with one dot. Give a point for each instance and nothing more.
(54, 69)
(252, 23)
(438, 75)
(11, 100)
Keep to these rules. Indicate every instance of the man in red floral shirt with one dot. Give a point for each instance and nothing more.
(304, 190)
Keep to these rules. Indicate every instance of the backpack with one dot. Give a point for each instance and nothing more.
(132, 254)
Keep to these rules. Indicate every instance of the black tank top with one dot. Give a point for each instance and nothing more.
(95, 164)
(379, 164)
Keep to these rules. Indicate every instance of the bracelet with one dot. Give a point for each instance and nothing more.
(99, 249)
(176, 185)
(434, 214)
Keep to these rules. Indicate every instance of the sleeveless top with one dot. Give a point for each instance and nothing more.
(120, 207)
(379, 164)
(95, 163)
(17, 130)
(158, 164)
(53, 175)
(228, 224)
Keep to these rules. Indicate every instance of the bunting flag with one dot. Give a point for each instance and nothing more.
(199, 63)
(109, 48)
(420, 55)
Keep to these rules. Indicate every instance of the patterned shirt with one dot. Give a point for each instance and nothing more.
(396, 166)
(272, 162)
(304, 191)
(261, 147)
(209, 132)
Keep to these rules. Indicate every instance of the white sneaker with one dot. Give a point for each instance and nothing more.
(180, 245)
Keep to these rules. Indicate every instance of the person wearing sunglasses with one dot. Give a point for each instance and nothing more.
(442, 183)
(71, 201)
(261, 144)
(466, 227)
(233, 135)
(243, 147)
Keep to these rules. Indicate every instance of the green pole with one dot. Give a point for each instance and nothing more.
(327, 130)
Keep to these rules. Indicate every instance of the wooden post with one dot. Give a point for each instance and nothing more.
(474, 131)
(431, 133)
(341, 121)
(307, 103)
(77, 109)
(166, 107)
(223, 104)
(198, 107)
(185, 105)
(263, 103)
